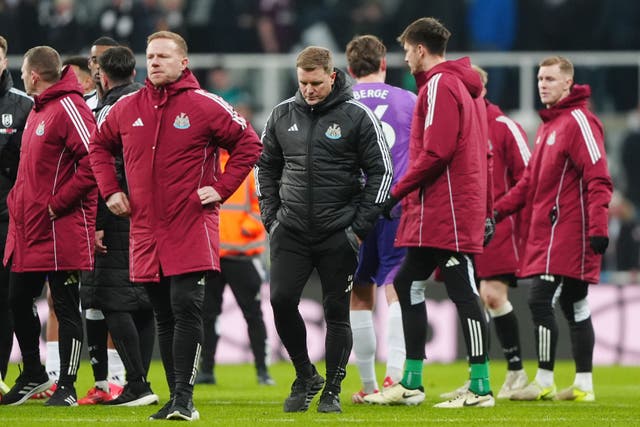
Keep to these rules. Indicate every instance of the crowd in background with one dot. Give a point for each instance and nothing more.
(283, 26)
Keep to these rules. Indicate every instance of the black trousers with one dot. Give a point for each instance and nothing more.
(293, 258)
(177, 304)
(243, 278)
(6, 319)
(457, 269)
(24, 289)
(545, 291)
(133, 334)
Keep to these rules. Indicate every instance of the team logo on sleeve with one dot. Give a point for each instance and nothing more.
(7, 120)
(552, 138)
(333, 132)
(40, 129)
(181, 121)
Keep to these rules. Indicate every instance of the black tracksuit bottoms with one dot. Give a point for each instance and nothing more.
(245, 281)
(177, 304)
(6, 319)
(293, 258)
(64, 286)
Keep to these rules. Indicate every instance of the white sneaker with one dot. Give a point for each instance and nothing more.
(575, 394)
(4, 389)
(534, 391)
(468, 399)
(397, 394)
(455, 393)
(515, 380)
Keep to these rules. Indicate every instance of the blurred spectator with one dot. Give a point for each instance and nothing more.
(492, 27)
(451, 13)
(624, 231)
(619, 29)
(171, 17)
(222, 26)
(630, 156)
(277, 25)
(558, 24)
(219, 82)
(129, 22)
(15, 16)
(63, 32)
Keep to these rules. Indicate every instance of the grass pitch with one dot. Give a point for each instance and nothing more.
(237, 400)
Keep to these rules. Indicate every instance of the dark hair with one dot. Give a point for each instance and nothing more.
(105, 41)
(364, 55)
(428, 32)
(79, 61)
(44, 60)
(118, 63)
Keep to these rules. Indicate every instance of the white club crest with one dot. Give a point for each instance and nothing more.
(552, 138)
(333, 132)
(40, 129)
(7, 120)
(182, 121)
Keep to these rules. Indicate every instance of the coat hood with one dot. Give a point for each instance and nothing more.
(67, 84)
(340, 92)
(117, 92)
(461, 68)
(186, 81)
(577, 98)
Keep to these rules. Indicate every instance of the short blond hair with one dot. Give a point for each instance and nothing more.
(45, 61)
(564, 64)
(313, 57)
(4, 45)
(177, 38)
(484, 76)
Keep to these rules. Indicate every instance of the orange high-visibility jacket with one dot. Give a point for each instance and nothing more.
(241, 230)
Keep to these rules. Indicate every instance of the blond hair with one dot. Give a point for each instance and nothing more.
(563, 63)
(177, 38)
(484, 76)
(313, 57)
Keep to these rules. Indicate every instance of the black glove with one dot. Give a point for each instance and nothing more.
(489, 230)
(599, 244)
(388, 206)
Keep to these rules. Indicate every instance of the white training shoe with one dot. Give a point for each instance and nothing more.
(515, 380)
(460, 390)
(397, 394)
(468, 399)
(534, 391)
(575, 394)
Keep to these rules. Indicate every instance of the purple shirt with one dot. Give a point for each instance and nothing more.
(394, 107)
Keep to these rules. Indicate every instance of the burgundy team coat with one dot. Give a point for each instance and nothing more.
(170, 138)
(54, 171)
(510, 157)
(565, 192)
(444, 190)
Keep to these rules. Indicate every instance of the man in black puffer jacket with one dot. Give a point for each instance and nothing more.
(125, 305)
(14, 109)
(323, 174)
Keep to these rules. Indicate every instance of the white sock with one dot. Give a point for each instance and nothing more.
(364, 347)
(52, 360)
(396, 351)
(584, 381)
(103, 385)
(544, 377)
(116, 368)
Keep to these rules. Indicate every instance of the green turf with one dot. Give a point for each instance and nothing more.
(237, 400)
